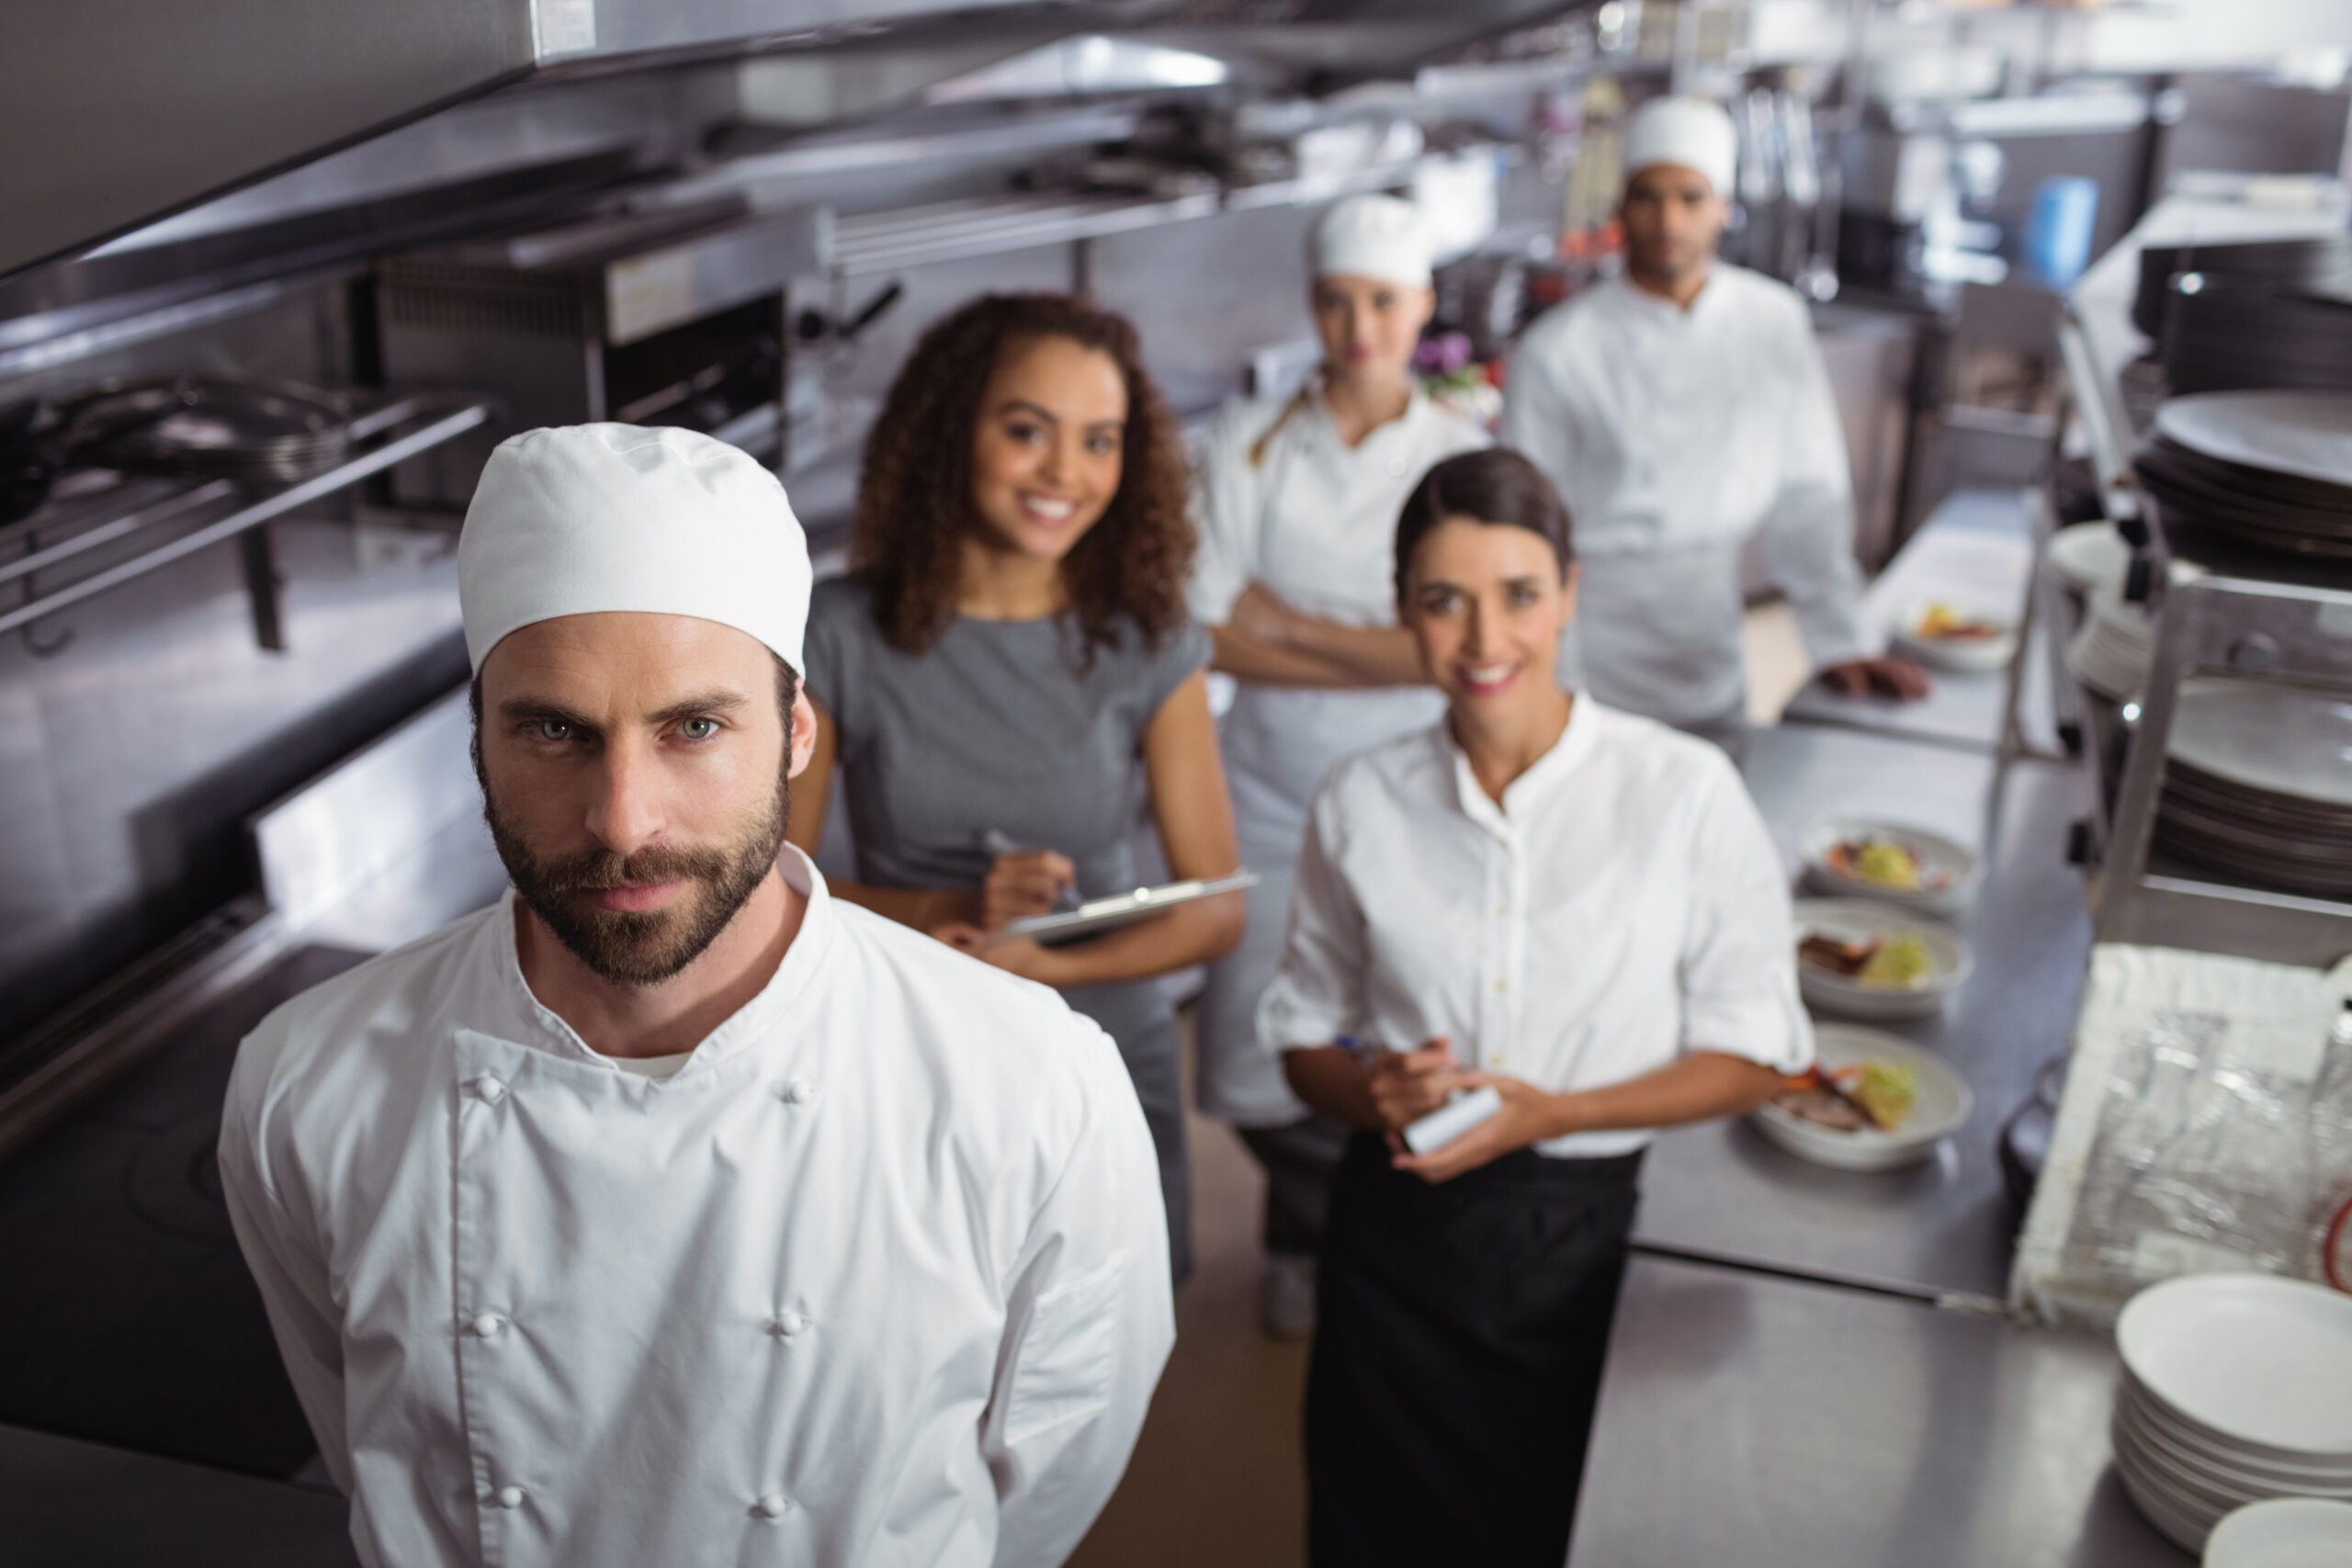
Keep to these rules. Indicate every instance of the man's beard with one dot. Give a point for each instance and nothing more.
(645, 947)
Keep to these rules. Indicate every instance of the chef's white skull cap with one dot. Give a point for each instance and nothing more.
(1370, 236)
(1690, 134)
(591, 517)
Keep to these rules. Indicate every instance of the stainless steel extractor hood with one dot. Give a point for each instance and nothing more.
(115, 113)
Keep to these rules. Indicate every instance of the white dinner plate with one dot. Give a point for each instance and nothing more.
(1863, 920)
(2308, 434)
(2250, 1360)
(2287, 1532)
(2089, 555)
(2265, 735)
(2228, 1468)
(1951, 867)
(2232, 1465)
(2183, 1528)
(1941, 1106)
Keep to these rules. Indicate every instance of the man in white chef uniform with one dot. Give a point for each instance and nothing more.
(1679, 409)
(669, 1211)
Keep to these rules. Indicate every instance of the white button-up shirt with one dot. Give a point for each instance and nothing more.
(878, 1277)
(1624, 904)
(1673, 436)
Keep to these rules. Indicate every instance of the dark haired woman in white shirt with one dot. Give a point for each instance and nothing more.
(1575, 906)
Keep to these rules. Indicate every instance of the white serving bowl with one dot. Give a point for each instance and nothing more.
(1964, 656)
(1943, 1105)
(1861, 919)
(1937, 854)
(2087, 555)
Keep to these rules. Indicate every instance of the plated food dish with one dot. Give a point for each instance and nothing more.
(1865, 960)
(1872, 1102)
(1951, 636)
(1902, 865)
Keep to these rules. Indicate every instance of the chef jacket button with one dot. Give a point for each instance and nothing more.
(771, 1506)
(798, 1091)
(1396, 468)
(486, 1323)
(510, 1496)
(490, 1088)
(785, 1324)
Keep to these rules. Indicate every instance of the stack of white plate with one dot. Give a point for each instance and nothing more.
(2235, 1388)
(2112, 652)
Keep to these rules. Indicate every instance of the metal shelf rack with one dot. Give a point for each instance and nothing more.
(403, 428)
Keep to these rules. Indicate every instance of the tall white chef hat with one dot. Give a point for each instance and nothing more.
(589, 517)
(1370, 236)
(1690, 134)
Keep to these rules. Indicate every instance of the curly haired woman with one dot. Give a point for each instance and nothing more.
(1009, 663)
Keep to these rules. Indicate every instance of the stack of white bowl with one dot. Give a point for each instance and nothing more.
(2112, 651)
(2235, 1388)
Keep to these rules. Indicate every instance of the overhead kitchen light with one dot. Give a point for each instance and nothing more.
(1092, 63)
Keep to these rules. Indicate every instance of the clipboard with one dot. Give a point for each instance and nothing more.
(1107, 914)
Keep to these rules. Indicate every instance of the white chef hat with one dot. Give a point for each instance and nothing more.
(589, 517)
(1690, 134)
(1370, 236)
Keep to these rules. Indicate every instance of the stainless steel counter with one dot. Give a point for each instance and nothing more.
(71, 1504)
(1977, 552)
(1779, 1424)
(1718, 1190)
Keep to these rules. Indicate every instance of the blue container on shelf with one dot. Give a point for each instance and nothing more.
(2058, 239)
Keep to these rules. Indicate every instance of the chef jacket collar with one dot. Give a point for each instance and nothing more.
(1415, 402)
(749, 1024)
(1525, 793)
(1704, 303)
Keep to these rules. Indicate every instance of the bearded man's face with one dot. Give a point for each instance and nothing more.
(633, 769)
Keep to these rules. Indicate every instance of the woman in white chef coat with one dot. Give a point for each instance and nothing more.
(1297, 500)
(1574, 905)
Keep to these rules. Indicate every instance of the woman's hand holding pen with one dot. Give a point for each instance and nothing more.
(1407, 1085)
(1024, 883)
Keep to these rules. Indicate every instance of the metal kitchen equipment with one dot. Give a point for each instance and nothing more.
(660, 316)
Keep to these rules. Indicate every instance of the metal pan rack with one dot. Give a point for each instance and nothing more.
(60, 540)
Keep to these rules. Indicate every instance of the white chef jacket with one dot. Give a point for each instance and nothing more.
(878, 1277)
(1624, 904)
(1673, 436)
(1314, 521)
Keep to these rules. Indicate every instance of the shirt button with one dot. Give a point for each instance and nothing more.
(1502, 984)
(772, 1506)
(510, 1496)
(486, 1323)
(1502, 910)
(1396, 468)
(785, 1324)
(798, 1091)
(490, 1088)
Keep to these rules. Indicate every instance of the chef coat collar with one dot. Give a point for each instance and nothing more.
(1704, 303)
(1417, 404)
(749, 1023)
(1523, 794)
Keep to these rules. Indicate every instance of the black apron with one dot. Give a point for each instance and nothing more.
(1457, 1356)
